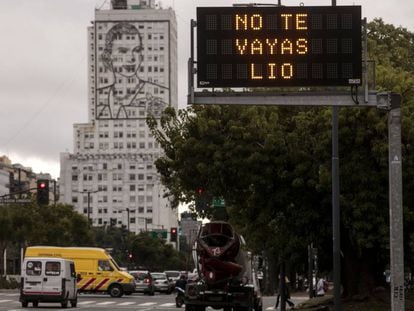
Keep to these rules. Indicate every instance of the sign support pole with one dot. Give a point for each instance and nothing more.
(336, 231)
(395, 201)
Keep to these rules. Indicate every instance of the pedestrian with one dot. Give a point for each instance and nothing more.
(286, 292)
(321, 287)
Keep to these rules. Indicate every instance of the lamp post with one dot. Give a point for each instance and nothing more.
(127, 218)
(89, 203)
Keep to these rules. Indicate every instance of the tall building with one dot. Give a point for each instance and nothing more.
(132, 71)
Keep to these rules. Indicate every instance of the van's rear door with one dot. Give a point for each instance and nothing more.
(33, 277)
(54, 278)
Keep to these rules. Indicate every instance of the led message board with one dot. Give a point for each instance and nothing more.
(278, 46)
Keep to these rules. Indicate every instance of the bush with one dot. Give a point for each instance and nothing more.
(8, 284)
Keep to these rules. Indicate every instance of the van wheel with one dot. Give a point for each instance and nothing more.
(74, 303)
(116, 291)
(64, 304)
(25, 304)
(35, 304)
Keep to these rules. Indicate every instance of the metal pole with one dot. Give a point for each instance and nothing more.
(282, 286)
(336, 232)
(127, 218)
(54, 192)
(336, 221)
(396, 209)
(89, 208)
(310, 271)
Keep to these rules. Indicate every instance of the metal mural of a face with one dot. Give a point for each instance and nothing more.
(123, 95)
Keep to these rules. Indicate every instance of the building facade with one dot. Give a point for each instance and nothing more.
(132, 72)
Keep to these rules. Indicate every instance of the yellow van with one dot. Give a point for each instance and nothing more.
(97, 271)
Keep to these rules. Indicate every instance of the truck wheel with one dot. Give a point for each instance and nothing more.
(116, 291)
(64, 304)
(35, 304)
(25, 304)
(74, 303)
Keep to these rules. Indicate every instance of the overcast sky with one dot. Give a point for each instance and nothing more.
(43, 77)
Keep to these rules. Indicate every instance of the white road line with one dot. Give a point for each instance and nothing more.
(85, 302)
(11, 295)
(5, 300)
(147, 304)
(126, 303)
(105, 303)
(270, 308)
(169, 304)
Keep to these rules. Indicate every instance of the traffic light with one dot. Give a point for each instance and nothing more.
(42, 192)
(202, 200)
(173, 234)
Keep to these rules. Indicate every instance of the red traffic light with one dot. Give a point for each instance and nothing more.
(42, 185)
(173, 230)
(200, 191)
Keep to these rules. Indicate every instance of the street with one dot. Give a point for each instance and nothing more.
(9, 301)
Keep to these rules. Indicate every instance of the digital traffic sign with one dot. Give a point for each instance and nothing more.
(278, 46)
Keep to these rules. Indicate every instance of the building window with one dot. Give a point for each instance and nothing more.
(74, 199)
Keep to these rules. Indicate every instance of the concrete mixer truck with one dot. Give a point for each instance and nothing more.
(226, 278)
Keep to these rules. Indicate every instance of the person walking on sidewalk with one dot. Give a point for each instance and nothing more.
(286, 292)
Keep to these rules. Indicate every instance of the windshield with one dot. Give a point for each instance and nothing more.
(159, 276)
(173, 274)
(115, 264)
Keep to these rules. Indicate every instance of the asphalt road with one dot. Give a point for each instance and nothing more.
(9, 301)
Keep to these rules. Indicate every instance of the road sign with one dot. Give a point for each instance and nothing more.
(279, 46)
(159, 234)
(218, 202)
(15, 201)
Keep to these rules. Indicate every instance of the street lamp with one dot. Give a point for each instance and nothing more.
(127, 218)
(89, 202)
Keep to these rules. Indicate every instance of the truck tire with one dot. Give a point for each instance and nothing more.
(116, 291)
(64, 304)
(74, 303)
(35, 304)
(25, 304)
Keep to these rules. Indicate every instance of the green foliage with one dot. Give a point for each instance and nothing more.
(30, 224)
(154, 254)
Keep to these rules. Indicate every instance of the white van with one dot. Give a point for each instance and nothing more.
(48, 280)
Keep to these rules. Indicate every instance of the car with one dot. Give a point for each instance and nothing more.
(161, 282)
(144, 282)
(173, 276)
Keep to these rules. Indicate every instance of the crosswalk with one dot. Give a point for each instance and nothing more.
(98, 303)
(88, 303)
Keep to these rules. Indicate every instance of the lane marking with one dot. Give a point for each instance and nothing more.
(85, 302)
(147, 304)
(10, 295)
(169, 304)
(5, 300)
(126, 303)
(105, 303)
